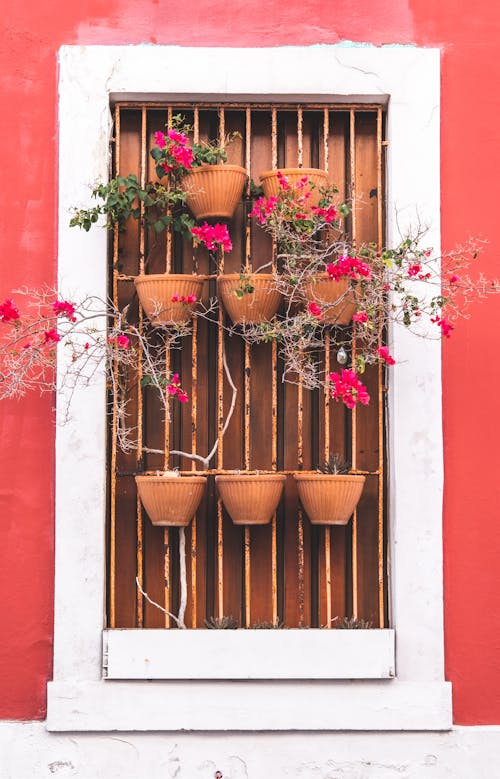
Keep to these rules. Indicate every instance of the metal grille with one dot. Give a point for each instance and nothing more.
(288, 571)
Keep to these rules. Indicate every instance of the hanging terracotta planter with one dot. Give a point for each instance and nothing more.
(251, 499)
(271, 186)
(329, 499)
(214, 191)
(171, 501)
(252, 307)
(162, 295)
(335, 297)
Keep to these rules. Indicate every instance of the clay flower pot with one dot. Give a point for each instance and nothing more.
(257, 306)
(271, 186)
(171, 501)
(156, 293)
(335, 297)
(214, 191)
(329, 499)
(251, 499)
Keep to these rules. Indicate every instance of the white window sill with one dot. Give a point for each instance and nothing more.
(249, 654)
(248, 706)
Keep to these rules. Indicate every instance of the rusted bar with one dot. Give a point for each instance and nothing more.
(196, 139)
(326, 454)
(114, 418)
(194, 425)
(352, 157)
(300, 518)
(274, 138)
(367, 107)
(168, 268)
(299, 137)
(247, 576)
(140, 521)
(326, 135)
(222, 126)
(328, 576)
(380, 238)
(220, 451)
(166, 535)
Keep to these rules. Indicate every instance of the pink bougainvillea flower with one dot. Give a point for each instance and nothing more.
(51, 336)
(175, 298)
(27, 345)
(8, 311)
(360, 317)
(64, 308)
(122, 341)
(454, 279)
(191, 299)
(282, 181)
(348, 388)
(174, 379)
(263, 208)
(314, 309)
(444, 324)
(182, 397)
(86, 345)
(327, 214)
(213, 236)
(177, 137)
(383, 353)
(160, 140)
(302, 183)
(349, 267)
(172, 390)
(414, 270)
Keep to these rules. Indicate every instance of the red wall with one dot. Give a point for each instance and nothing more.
(31, 33)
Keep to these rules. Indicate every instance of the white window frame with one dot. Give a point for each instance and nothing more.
(399, 685)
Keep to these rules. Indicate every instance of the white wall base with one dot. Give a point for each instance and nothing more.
(28, 751)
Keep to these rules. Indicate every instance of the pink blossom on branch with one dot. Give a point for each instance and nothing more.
(8, 311)
(51, 336)
(348, 388)
(314, 309)
(383, 353)
(64, 308)
(213, 236)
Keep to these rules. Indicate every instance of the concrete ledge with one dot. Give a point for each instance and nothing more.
(248, 706)
(248, 654)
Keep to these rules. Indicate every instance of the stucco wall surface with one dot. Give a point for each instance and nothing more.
(465, 753)
(30, 36)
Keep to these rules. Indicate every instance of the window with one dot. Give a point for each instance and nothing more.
(407, 81)
(289, 571)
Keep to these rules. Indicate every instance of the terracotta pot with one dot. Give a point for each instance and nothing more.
(329, 499)
(257, 306)
(214, 191)
(271, 187)
(171, 501)
(157, 290)
(251, 499)
(335, 297)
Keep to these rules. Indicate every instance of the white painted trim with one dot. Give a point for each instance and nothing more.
(249, 654)
(249, 706)
(408, 77)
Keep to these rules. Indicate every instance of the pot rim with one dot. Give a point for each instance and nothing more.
(174, 276)
(250, 477)
(219, 165)
(314, 476)
(305, 171)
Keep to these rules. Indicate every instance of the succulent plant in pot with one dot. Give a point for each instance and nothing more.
(330, 495)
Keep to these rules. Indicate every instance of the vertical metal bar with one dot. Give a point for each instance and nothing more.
(196, 139)
(220, 445)
(248, 264)
(300, 517)
(114, 419)
(194, 425)
(166, 533)
(352, 150)
(274, 138)
(168, 268)
(380, 238)
(328, 575)
(326, 453)
(299, 137)
(326, 136)
(140, 521)
(222, 126)
(247, 575)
